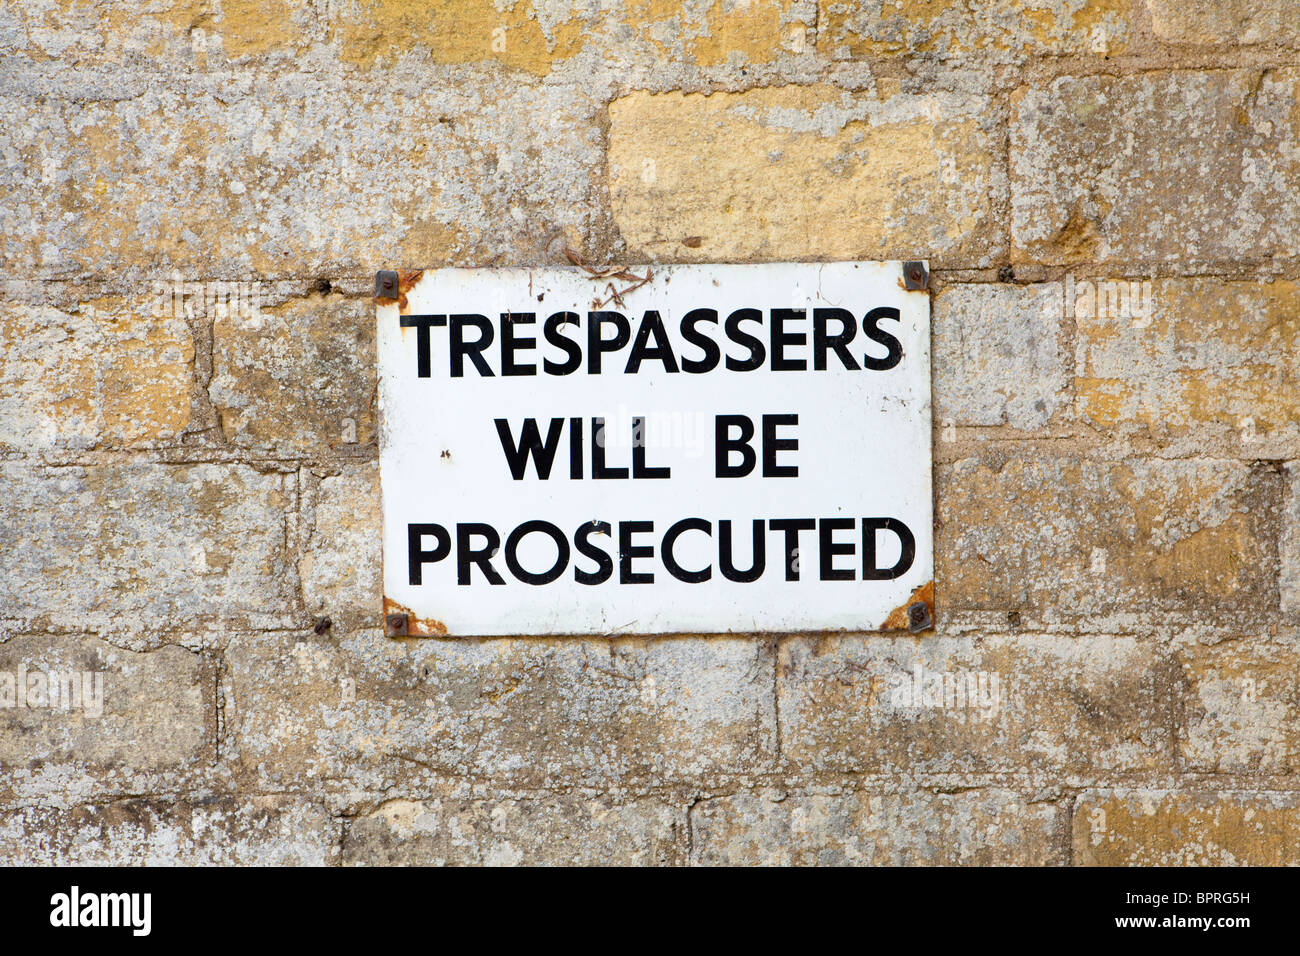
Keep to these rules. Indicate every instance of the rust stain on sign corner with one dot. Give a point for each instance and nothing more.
(898, 619)
(405, 283)
(413, 626)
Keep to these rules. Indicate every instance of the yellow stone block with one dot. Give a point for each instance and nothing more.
(1161, 828)
(801, 172)
(456, 31)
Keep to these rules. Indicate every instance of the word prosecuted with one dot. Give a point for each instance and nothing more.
(845, 548)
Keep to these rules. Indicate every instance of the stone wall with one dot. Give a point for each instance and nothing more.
(196, 197)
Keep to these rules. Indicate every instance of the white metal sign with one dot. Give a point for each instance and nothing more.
(732, 448)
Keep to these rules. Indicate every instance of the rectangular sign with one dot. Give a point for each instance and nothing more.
(692, 448)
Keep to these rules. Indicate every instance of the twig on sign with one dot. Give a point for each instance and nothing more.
(621, 273)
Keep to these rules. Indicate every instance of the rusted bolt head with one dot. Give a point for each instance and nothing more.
(396, 625)
(914, 276)
(918, 617)
(386, 284)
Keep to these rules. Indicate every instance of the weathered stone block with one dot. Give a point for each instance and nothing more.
(1004, 32)
(222, 831)
(379, 32)
(144, 547)
(1235, 22)
(722, 32)
(540, 38)
(1159, 167)
(1082, 706)
(524, 712)
(190, 33)
(527, 830)
(1243, 714)
(220, 181)
(298, 378)
(111, 372)
(1173, 828)
(803, 172)
(1290, 546)
(1076, 537)
(1199, 357)
(341, 567)
(806, 828)
(98, 707)
(999, 355)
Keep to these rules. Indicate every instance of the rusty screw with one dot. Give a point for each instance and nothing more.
(386, 284)
(915, 276)
(396, 625)
(918, 617)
